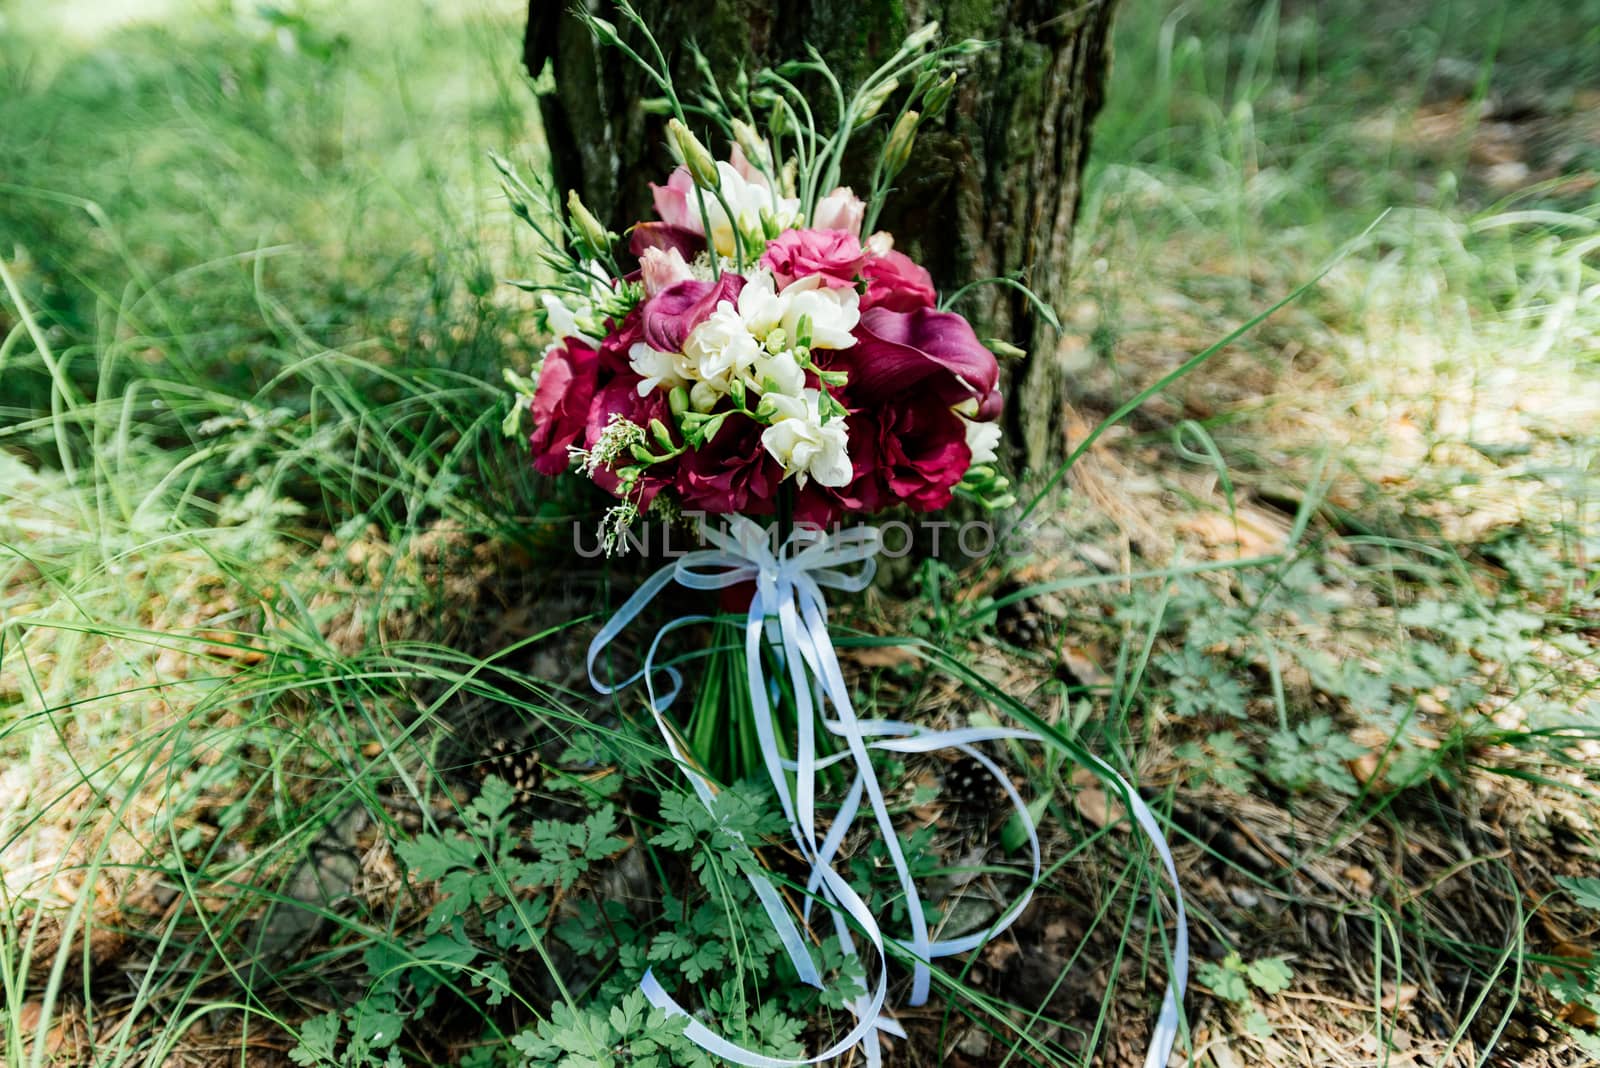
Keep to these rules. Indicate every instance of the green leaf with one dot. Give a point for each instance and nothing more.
(1585, 891)
(1014, 835)
(1226, 980)
(319, 1037)
(1257, 1025)
(1270, 974)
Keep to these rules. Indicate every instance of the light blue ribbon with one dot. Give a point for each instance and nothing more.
(789, 613)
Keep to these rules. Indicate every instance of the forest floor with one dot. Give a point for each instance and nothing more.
(281, 608)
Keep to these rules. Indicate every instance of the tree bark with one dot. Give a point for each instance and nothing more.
(992, 189)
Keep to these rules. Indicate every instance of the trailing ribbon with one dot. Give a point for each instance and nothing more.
(789, 613)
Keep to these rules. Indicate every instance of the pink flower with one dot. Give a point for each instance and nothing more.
(896, 283)
(744, 168)
(898, 354)
(670, 315)
(833, 254)
(672, 201)
(660, 269)
(840, 210)
(731, 472)
(561, 404)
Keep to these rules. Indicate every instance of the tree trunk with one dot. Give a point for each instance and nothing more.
(991, 190)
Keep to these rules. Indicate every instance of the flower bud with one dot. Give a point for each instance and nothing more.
(589, 229)
(678, 400)
(687, 147)
(659, 430)
(702, 397)
(874, 103)
(1003, 349)
(769, 225)
(603, 31)
(922, 38)
(755, 148)
(736, 391)
(642, 454)
(833, 378)
(897, 149)
(935, 99)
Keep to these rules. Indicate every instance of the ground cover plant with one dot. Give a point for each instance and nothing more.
(296, 762)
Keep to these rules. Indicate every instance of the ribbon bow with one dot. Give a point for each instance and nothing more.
(789, 614)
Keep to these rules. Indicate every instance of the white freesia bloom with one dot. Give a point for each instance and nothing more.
(834, 312)
(803, 444)
(782, 370)
(659, 370)
(759, 304)
(720, 347)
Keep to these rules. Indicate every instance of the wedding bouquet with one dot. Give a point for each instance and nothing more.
(760, 355)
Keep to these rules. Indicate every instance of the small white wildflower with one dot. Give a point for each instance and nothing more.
(614, 526)
(614, 443)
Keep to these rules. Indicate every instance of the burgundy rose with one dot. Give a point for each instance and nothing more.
(895, 282)
(834, 254)
(671, 314)
(561, 403)
(620, 337)
(730, 473)
(927, 351)
(920, 452)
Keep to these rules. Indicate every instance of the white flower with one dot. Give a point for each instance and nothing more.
(803, 444)
(720, 347)
(564, 312)
(747, 199)
(782, 370)
(562, 319)
(834, 312)
(982, 438)
(759, 304)
(659, 370)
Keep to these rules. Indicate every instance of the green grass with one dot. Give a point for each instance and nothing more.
(270, 576)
